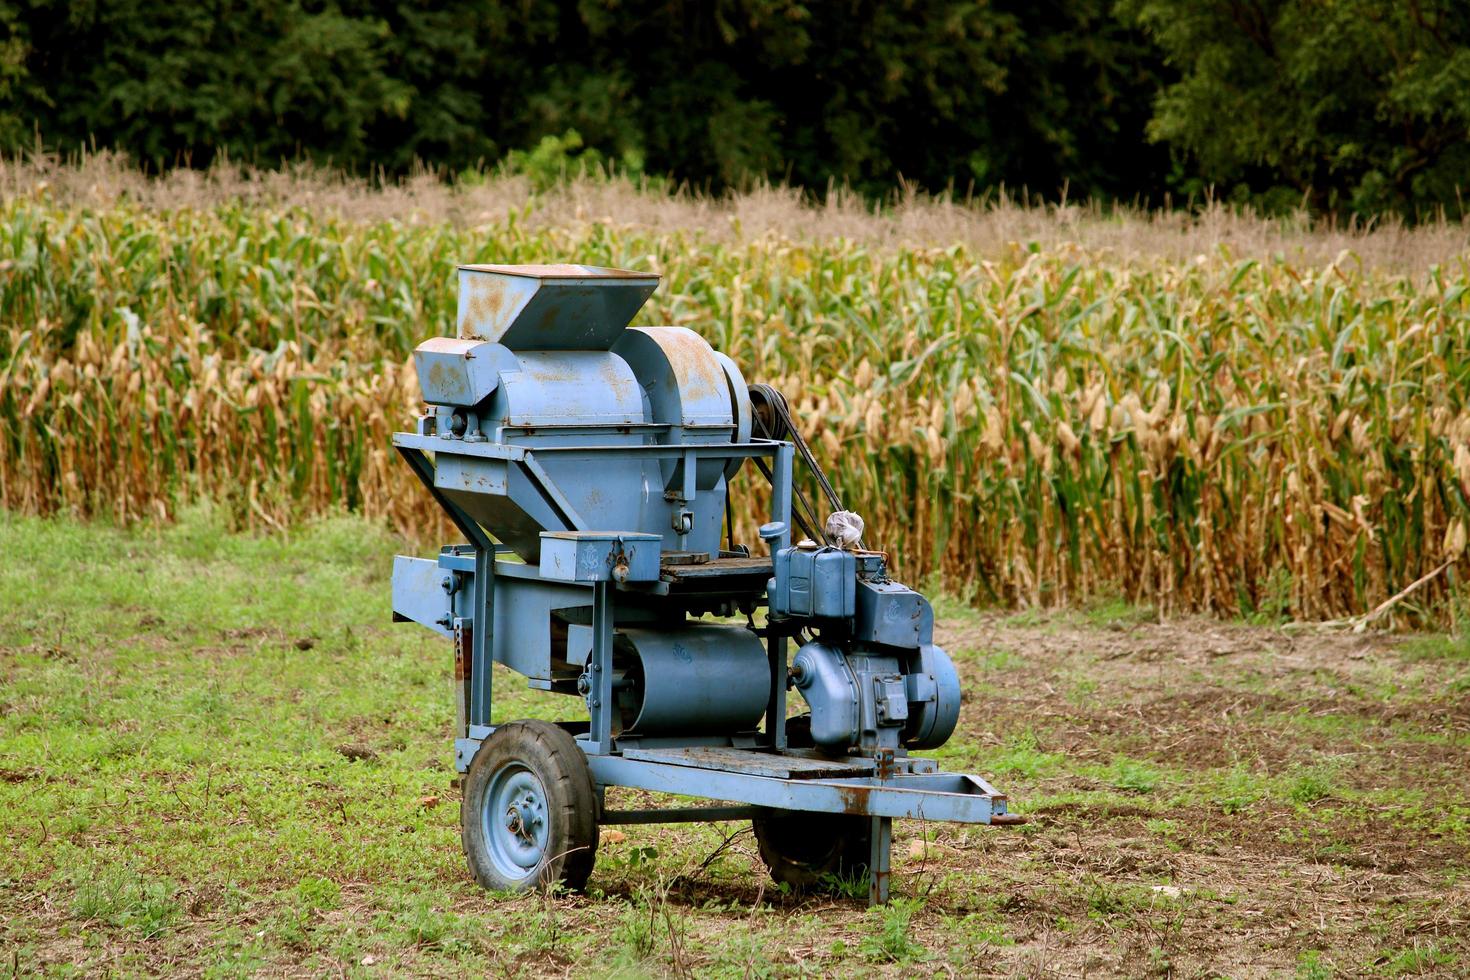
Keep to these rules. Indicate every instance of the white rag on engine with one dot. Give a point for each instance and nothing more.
(844, 529)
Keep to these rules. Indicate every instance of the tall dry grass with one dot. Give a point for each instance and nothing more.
(1037, 406)
(985, 226)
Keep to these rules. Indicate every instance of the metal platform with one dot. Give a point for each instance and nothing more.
(718, 576)
(754, 762)
(794, 782)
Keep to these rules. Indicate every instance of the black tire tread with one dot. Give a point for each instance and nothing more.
(780, 835)
(561, 766)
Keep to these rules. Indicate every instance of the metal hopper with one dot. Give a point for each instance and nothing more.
(549, 307)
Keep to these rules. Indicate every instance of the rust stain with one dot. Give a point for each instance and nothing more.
(854, 799)
(486, 307)
(562, 314)
(550, 314)
(451, 384)
(462, 653)
(695, 371)
(560, 270)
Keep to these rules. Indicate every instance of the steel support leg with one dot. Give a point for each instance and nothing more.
(781, 493)
(776, 706)
(879, 861)
(482, 630)
(599, 698)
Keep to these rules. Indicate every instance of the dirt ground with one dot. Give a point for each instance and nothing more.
(1276, 794)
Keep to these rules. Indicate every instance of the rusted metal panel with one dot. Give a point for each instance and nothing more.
(752, 762)
(549, 307)
(881, 854)
(463, 672)
(718, 568)
(946, 796)
(460, 372)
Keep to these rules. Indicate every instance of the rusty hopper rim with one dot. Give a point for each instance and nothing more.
(550, 307)
(561, 270)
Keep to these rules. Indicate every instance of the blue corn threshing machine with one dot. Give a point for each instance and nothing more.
(588, 465)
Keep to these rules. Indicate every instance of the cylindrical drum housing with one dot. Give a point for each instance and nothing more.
(701, 679)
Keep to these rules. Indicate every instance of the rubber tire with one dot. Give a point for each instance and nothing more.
(806, 851)
(554, 758)
(799, 731)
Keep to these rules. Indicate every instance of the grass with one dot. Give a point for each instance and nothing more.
(1133, 775)
(121, 898)
(1417, 960)
(1439, 647)
(217, 756)
(890, 940)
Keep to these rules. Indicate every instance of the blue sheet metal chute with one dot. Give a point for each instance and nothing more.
(588, 466)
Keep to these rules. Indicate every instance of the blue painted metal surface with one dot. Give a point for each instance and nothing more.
(514, 822)
(936, 796)
(549, 307)
(587, 465)
(695, 679)
(814, 582)
(460, 372)
(892, 615)
(600, 556)
(934, 699)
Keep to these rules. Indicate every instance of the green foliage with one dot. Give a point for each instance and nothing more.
(1117, 613)
(178, 83)
(1032, 425)
(848, 884)
(1133, 775)
(1311, 966)
(555, 158)
(318, 894)
(425, 924)
(1417, 959)
(1238, 789)
(889, 939)
(120, 897)
(1312, 785)
(934, 91)
(637, 929)
(1355, 106)
(1022, 756)
(257, 847)
(1439, 646)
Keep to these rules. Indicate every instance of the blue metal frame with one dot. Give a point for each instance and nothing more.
(889, 787)
(922, 796)
(477, 625)
(600, 703)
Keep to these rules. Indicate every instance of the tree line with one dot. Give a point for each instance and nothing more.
(1350, 107)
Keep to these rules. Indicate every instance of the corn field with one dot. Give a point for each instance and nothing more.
(1026, 425)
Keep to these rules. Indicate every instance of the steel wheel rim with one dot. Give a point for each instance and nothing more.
(515, 821)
